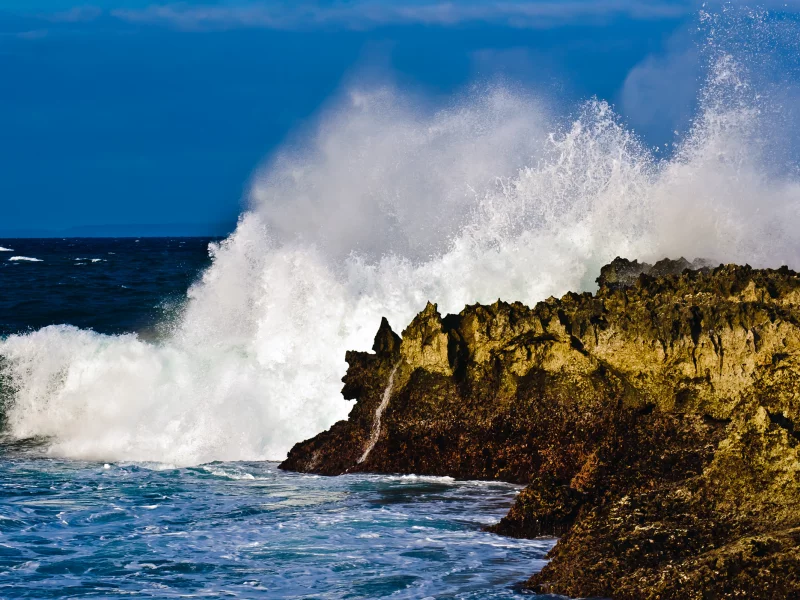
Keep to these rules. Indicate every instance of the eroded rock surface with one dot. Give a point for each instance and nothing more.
(656, 424)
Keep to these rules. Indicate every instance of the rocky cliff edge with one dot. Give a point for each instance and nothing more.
(656, 425)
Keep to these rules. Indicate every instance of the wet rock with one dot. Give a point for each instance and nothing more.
(656, 424)
(621, 272)
(387, 342)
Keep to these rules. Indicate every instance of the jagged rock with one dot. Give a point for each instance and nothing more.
(387, 342)
(656, 424)
(425, 343)
(621, 272)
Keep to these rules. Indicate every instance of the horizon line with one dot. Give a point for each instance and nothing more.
(119, 230)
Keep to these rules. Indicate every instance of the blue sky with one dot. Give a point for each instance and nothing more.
(136, 112)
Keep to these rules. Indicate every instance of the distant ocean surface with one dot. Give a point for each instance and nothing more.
(110, 285)
(81, 529)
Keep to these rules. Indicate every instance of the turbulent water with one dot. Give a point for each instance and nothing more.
(74, 529)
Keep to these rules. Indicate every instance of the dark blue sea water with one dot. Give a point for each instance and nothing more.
(77, 529)
(109, 285)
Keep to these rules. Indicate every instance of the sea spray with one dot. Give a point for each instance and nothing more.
(383, 207)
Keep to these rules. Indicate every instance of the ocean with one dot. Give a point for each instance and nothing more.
(111, 286)
(74, 528)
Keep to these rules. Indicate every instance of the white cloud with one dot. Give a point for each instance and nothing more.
(76, 14)
(363, 14)
(33, 34)
(201, 15)
(660, 91)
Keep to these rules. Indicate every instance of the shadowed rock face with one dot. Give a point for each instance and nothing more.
(656, 424)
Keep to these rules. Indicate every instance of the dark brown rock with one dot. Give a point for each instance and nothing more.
(621, 272)
(387, 342)
(656, 424)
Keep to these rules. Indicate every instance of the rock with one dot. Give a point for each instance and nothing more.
(387, 342)
(655, 423)
(621, 272)
(425, 343)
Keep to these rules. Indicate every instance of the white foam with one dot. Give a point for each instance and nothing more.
(5, 249)
(384, 207)
(24, 259)
(237, 474)
(422, 478)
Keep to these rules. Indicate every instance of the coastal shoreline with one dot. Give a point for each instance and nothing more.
(653, 424)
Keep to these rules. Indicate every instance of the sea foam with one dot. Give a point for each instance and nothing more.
(384, 207)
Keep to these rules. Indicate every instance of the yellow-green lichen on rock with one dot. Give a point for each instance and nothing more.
(424, 344)
(655, 423)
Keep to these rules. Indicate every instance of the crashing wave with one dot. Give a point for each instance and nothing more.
(384, 207)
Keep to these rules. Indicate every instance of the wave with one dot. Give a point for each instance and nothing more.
(24, 259)
(83, 261)
(380, 208)
(2, 249)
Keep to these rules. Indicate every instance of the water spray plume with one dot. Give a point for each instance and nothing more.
(384, 207)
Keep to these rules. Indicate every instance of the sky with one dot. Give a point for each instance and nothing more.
(137, 116)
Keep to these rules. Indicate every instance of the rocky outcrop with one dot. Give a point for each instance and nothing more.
(656, 425)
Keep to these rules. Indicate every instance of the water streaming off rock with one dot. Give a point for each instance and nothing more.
(376, 424)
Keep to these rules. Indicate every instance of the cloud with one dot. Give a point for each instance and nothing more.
(660, 92)
(365, 14)
(76, 14)
(33, 34)
(664, 91)
(215, 15)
